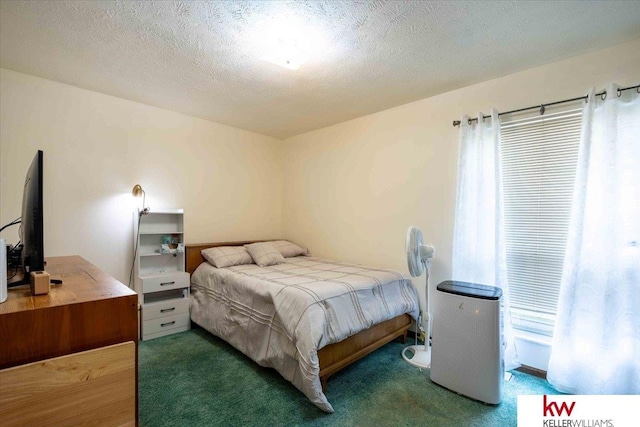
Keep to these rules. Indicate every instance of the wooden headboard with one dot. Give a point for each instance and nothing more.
(193, 257)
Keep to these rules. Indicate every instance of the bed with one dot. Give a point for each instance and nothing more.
(305, 317)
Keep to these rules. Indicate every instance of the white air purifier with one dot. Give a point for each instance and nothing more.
(3, 271)
(467, 351)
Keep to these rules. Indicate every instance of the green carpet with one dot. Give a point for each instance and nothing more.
(195, 379)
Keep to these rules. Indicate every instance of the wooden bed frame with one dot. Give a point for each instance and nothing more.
(334, 356)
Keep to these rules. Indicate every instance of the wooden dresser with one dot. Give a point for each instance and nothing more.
(86, 329)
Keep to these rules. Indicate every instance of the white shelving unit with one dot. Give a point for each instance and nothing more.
(160, 280)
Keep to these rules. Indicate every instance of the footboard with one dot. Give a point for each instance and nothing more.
(339, 355)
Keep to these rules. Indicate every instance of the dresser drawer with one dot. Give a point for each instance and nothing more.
(166, 308)
(165, 282)
(166, 323)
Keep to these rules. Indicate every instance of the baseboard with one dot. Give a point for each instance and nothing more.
(533, 371)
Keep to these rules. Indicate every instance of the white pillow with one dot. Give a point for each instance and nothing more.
(265, 254)
(227, 256)
(288, 249)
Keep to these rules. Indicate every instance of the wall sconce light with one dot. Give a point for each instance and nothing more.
(137, 191)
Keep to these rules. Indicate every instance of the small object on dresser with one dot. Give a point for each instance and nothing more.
(39, 282)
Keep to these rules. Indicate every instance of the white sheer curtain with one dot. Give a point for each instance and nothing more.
(479, 252)
(596, 340)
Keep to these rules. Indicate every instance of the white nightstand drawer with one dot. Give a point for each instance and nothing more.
(169, 307)
(164, 324)
(165, 282)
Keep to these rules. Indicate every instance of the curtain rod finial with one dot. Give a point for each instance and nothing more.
(456, 123)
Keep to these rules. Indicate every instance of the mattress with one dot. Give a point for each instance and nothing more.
(281, 315)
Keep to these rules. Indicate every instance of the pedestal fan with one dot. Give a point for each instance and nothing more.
(419, 258)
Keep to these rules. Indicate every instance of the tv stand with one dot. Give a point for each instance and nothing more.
(91, 309)
(90, 323)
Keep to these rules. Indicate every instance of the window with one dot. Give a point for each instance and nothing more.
(539, 157)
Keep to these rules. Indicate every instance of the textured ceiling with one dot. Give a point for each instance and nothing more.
(203, 58)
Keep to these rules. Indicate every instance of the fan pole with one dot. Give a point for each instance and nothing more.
(422, 353)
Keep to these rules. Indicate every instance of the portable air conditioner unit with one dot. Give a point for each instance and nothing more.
(466, 348)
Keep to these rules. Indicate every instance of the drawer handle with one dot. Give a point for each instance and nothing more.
(167, 283)
(162, 325)
(165, 310)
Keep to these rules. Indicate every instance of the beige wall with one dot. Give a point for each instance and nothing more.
(353, 189)
(347, 191)
(96, 147)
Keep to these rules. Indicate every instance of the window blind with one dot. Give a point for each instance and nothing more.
(539, 157)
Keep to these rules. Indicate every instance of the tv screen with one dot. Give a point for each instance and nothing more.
(32, 227)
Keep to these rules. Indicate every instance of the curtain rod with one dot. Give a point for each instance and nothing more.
(542, 107)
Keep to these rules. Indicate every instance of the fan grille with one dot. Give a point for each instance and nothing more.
(414, 240)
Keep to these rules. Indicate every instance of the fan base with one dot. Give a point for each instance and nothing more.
(421, 356)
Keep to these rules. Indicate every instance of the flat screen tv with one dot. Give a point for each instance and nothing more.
(32, 227)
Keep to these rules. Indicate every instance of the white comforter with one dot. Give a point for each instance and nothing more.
(281, 315)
